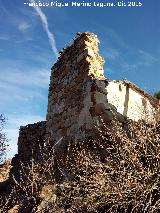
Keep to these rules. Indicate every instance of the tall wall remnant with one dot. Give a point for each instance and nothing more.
(80, 95)
(70, 88)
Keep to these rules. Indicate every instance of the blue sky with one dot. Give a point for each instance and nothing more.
(129, 42)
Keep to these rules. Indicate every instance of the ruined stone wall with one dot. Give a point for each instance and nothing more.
(70, 89)
(80, 95)
(31, 140)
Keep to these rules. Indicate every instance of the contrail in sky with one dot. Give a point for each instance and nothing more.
(46, 28)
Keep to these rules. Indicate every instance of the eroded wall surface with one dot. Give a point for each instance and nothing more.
(31, 140)
(70, 89)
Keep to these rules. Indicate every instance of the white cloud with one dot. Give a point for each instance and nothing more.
(29, 78)
(11, 94)
(113, 35)
(112, 54)
(22, 120)
(23, 85)
(5, 37)
(46, 28)
(147, 59)
(129, 67)
(3, 9)
(23, 26)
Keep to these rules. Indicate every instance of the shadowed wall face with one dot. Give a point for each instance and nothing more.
(31, 141)
(70, 89)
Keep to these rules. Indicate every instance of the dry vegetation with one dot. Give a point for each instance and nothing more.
(116, 171)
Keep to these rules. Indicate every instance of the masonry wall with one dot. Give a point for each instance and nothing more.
(80, 95)
(31, 140)
(70, 89)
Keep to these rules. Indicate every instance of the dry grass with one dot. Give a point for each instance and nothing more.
(116, 171)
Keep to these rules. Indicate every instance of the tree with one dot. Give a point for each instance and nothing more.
(3, 139)
(157, 95)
